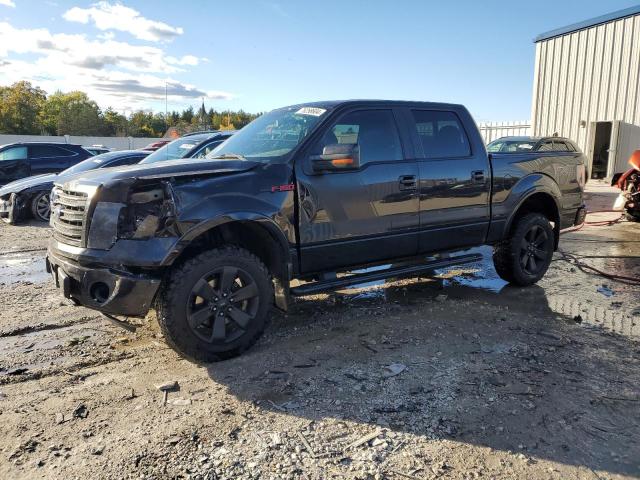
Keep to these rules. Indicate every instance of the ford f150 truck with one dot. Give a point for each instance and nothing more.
(293, 204)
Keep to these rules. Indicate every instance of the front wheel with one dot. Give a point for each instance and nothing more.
(41, 206)
(525, 256)
(216, 305)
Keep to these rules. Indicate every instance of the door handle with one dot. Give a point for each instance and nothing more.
(477, 176)
(408, 182)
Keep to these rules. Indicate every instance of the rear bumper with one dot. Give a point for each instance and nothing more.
(102, 288)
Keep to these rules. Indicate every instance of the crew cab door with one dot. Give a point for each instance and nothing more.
(13, 164)
(455, 180)
(360, 215)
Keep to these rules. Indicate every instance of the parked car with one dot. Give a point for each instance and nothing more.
(24, 159)
(191, 145)
(310, 193)
(531, 144)
(152, 147)
(29, 197)
(97, 149)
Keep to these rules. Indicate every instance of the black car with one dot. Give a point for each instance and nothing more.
(309, 193)
(531, 144)
(24, 159)
(191, 145)
(30, 196)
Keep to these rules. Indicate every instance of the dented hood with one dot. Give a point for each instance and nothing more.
(171, 168)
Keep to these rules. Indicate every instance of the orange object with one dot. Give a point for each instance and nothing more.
(345, 162)
(634, 160)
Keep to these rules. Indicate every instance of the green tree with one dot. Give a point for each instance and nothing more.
(71, 113)
(19, 107)
(114, 123)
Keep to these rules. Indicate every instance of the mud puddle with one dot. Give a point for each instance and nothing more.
(479, 281)
(22, 267)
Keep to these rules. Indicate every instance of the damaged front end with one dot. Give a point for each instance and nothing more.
(12, 208)
(99, 230)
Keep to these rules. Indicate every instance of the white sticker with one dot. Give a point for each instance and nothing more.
(316, 112)
(187, 145)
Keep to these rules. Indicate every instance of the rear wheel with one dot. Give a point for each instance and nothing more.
(525, 256)
(41, 206)
(216, 305)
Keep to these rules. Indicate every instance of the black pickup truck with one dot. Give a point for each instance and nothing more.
(293, 204)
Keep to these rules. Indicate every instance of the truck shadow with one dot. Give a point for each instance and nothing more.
(496, 367)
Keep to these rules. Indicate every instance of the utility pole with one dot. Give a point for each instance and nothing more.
(166, 109)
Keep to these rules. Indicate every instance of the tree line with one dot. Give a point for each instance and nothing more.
(28, 110)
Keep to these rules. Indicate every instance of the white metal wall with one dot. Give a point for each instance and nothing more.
(587, 76)
(115, 143)
(493, 130)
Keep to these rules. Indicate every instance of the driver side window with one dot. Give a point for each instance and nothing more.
(374, 131)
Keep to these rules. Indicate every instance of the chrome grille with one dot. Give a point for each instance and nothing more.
(68, 215)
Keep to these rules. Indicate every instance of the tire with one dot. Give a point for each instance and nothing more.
(525, 256)
(202, 322)
(41, 206)
(632, 217)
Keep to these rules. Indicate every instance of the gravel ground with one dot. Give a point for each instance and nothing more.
(457, 377)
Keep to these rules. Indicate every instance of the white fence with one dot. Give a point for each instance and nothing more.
(114, 143)
(492, 130)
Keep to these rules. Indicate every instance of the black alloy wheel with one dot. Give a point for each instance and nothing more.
(222, 305)
(533, 250)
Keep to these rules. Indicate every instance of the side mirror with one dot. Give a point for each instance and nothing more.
(337, 157)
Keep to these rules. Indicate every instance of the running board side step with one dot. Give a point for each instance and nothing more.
(397, 272)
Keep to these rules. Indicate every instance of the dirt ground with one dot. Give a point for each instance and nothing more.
(457, 377)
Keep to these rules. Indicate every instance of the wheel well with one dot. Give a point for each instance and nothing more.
(249, 235)
(540, 203)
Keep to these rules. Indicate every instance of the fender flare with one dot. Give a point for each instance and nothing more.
(265, 222)
(531, 185)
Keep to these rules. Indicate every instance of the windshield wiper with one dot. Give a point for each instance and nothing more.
(228, 156)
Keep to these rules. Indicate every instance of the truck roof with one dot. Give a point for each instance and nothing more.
(356, 102)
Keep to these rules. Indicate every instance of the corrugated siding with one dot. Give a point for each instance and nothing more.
(493, 130)
(588, 75)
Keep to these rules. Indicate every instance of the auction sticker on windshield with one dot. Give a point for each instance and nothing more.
(316, 112)
(187, 145)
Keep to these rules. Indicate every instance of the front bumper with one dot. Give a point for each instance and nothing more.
(11, 207)
(102, 288)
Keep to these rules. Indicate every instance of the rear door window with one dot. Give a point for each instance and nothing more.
(49, 151)
(441, 134)
(560, 146)
(546, 146)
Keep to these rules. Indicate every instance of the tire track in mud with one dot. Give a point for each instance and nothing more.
(67, 370)
(41, 327)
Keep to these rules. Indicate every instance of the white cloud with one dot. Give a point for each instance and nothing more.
(92, 54)
(107, 16)
(8, 3)
(111, 72)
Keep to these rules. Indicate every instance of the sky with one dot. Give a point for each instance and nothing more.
(263, 54)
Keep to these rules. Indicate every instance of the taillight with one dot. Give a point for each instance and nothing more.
(581, 175)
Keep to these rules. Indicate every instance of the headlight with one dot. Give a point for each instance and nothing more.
(149, 212)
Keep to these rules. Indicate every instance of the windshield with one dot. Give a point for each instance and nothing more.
(272, 135)
(94, 162)
(511, 146)
(179, 148)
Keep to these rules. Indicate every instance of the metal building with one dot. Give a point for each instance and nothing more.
(587, 88)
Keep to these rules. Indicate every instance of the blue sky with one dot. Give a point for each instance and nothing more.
(262, 54)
